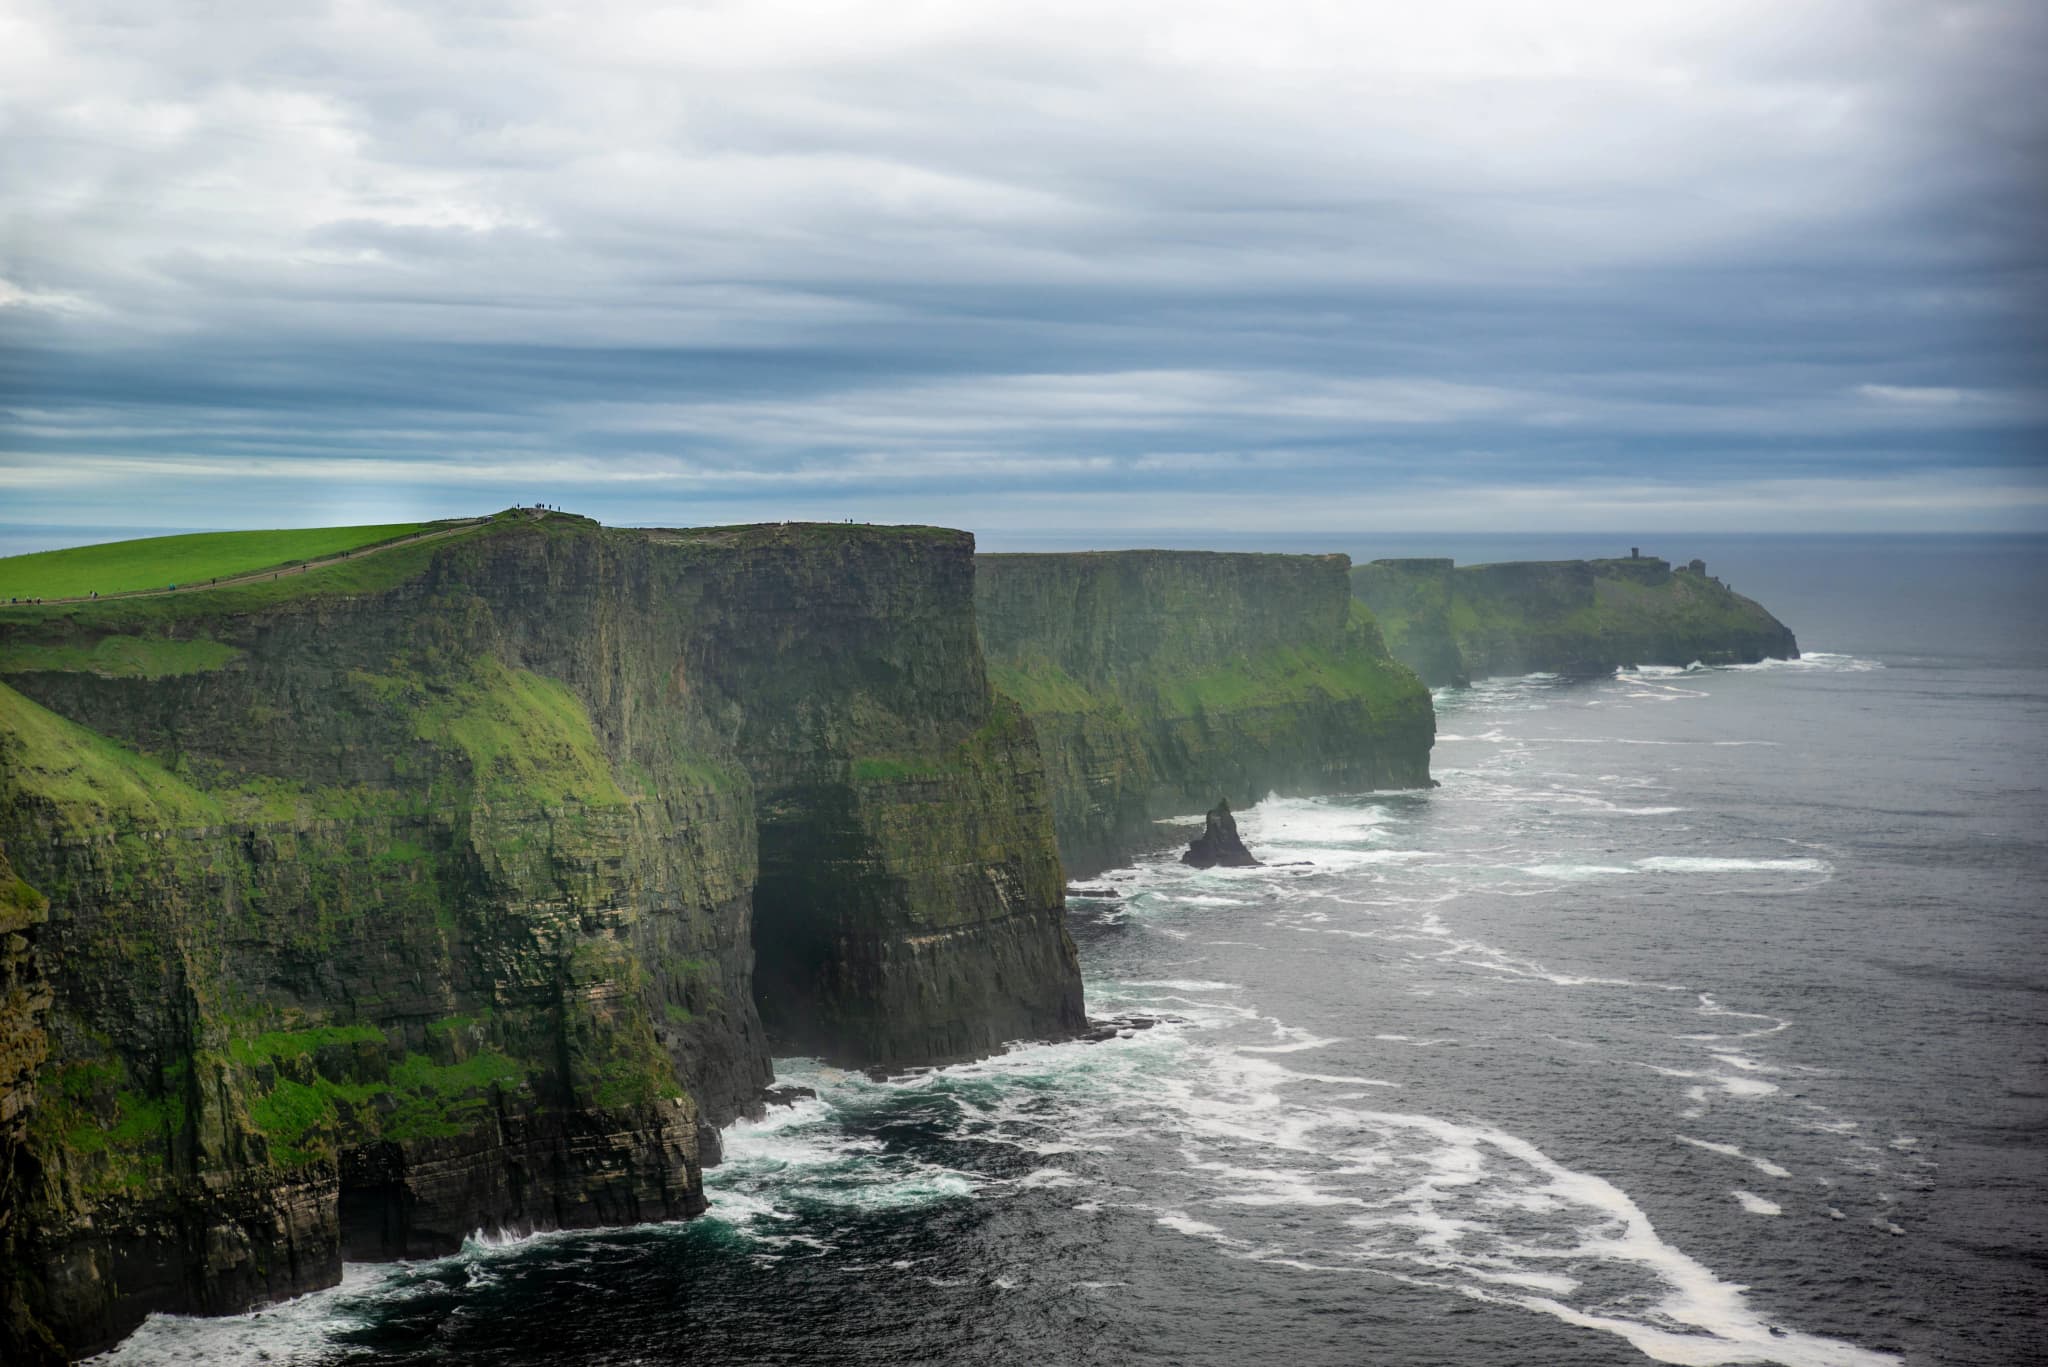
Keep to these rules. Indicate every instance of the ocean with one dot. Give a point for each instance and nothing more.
(1699, 1016)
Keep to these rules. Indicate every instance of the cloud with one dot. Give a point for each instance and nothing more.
(1073, 249)
(1920, 395)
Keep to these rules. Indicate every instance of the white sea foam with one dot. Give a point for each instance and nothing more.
(799, 1156)
(1177, 1220)
(1709, 1007)
(291, 1331)
(1733, 1086)
(1692, 864)
(1293, 1046)
(305, 1328)
(1475, 954)
(1755, 1204)
(1819, 661)
(1639, 740)
(1762, 1165)
(1576, 873)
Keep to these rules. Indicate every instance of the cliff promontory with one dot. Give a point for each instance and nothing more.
(1160, 681)
(1452, 625)
(471, 882)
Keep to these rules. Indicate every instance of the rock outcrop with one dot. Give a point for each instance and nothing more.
(1156, 680)
(468, 884)
(1574, 617)
(1219, 846)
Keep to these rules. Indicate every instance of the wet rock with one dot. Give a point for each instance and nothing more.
(1121, 1027)
(1219, 845)
(786, 1096)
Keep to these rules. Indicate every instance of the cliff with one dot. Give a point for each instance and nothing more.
(1159, 681)
(468, 884)
(1453, 625)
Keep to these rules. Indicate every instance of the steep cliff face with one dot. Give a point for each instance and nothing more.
(910, 907)
(425, 893)
(24, 1002)
(1158, 681)
(1565, 617)
(1411, 600)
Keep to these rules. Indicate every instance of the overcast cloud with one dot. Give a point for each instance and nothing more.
(1306, 264)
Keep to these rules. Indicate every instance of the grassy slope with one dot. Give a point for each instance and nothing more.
(88, 780)
(152, 563)
(150, 615)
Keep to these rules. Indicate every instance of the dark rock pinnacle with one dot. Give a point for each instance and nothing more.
(1219, 843)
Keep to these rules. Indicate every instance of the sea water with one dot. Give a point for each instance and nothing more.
(1700, 1016)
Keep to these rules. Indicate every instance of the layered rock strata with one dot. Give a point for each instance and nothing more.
(1156, 680)
(1577, 617)
(467, 885)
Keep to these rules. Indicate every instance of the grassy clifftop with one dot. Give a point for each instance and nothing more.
(158, 561)
(1568, 616)
(1158, 681)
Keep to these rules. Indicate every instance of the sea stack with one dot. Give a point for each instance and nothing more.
(1219, 843)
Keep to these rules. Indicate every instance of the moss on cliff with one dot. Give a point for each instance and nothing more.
(120, 656)
(526, 737)
(86, 779)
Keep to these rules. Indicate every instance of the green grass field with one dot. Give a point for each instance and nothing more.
(158, 561)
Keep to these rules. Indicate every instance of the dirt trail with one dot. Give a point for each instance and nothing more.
(273, 572)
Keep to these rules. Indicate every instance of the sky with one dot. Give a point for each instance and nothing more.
(1100, 270)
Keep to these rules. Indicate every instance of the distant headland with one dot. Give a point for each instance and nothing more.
(1453, 624)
